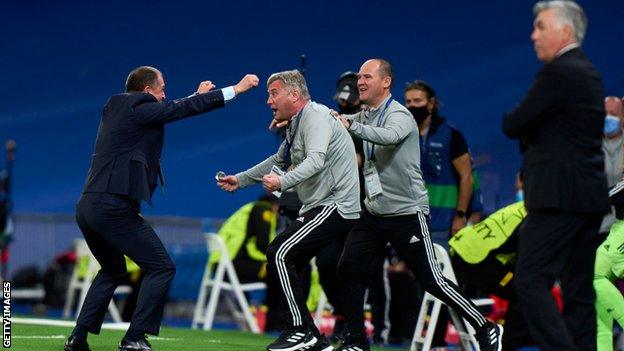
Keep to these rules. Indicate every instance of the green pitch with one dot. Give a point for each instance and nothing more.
(44, 338)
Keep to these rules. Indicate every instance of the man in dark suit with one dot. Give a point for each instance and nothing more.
(559, 125)
(125, 170)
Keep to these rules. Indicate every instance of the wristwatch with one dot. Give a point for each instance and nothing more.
(460, 214)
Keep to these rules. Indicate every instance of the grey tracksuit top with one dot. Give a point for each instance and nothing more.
(397, 159)
(324, 166)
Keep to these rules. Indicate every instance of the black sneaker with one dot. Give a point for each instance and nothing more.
(352, 343)
(322, 344)
(337, 335)
(294, 339)
(490, 337)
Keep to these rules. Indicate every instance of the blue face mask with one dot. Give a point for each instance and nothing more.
(519, 195)
(612, 125)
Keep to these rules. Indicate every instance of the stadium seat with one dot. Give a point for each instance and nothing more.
(214, 282)
(431, 308)
(76, 283)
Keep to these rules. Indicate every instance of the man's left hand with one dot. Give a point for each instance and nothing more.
(271, 182)
(458, 224)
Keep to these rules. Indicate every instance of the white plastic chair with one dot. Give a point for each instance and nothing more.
(214, 280)
(82, 284)
(423, 342)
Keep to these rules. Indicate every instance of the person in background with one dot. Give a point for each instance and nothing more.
(609, 267)
(559, 125)
(613, 150)
(448, 173)
(445, 162)
(247, 234)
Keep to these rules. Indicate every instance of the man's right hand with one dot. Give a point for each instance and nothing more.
(249, 81)
(228, 183)
(275, 124)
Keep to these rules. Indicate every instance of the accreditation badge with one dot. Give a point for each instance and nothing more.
(372, 185)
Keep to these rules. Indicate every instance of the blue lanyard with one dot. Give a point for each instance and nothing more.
(379, 124)
(290, 139)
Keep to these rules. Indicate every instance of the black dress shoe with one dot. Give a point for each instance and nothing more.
(75, 344)
(139, 345)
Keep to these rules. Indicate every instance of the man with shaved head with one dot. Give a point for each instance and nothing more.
(396, 209)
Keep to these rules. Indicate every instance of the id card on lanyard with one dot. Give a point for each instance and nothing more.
(372, 184)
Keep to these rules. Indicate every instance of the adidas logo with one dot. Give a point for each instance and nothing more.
(301, 219)
(414, 239)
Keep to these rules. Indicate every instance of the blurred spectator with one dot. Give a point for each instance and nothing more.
(445, 163)
(609, 267)
(6, 221)
(247, 234)
(613, 150)
(484, 255)
(447, 170)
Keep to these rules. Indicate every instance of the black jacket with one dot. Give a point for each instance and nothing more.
(130, 137)
(559, 125)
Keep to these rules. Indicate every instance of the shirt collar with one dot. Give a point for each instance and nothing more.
(373, 110)
(567, 48)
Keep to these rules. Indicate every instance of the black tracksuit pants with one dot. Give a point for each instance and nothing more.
(296, 246)
(409, 236)
(113, 227)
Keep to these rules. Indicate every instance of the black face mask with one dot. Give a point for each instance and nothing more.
(349, 109)
(420, 113)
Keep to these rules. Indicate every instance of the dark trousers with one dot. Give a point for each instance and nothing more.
(327, 264)
(295, 247)
(113, 227)
(555, 244)
(494, 277)
(409, 236)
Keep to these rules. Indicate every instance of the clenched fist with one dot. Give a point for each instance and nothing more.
(249, 81)
(205, 87)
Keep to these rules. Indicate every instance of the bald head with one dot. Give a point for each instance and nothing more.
(374, 81)
(613, 106)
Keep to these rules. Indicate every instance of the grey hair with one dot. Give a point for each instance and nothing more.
(567, 12)
(293, 80)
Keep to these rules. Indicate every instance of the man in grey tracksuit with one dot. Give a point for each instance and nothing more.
(396, 209)
(317, 160)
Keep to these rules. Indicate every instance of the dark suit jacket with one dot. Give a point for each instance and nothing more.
(560, 125)
(129, 142)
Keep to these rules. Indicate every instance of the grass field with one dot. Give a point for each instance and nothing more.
(27, 337)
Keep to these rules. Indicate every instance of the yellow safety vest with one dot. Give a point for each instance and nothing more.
(473, 243)
(234, 232)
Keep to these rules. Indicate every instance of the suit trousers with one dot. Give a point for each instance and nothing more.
(293, 248)
(113, 227)
(558, 245)
(409, 236)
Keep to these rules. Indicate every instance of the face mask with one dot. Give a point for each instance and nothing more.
(612, 125)
(420, 113)
(519, 195)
